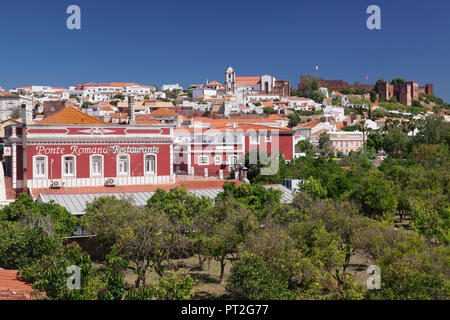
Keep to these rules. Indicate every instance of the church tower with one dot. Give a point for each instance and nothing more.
(230, 77)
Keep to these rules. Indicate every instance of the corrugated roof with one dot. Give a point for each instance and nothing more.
(76, 203)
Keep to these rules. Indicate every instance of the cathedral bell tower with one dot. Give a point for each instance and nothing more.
(230, 77)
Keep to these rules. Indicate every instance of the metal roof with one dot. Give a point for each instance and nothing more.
(76, 203)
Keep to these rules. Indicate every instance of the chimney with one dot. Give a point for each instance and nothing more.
(131, 115)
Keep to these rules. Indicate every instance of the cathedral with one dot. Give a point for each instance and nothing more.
(243, 86)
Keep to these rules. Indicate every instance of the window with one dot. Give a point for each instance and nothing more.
(268, 136)
(123, 165)
(232, 160)
(69, 166)
(254, 138)
(150, 164)
(96, 166)
(217, 160)
(203, 160)
(40, 167)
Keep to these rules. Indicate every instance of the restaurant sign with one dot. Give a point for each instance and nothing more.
(77, 150)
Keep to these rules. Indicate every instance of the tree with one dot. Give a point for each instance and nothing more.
(313, 188)
(395, 141)
(170, 287)
(433, 131)
(325, 148)
(317, 96)
(225, 230)
(398, 81)
(16, 113)
(24, 245)
(412, 268)
(147, 242)
(269, 110)
(373, 95)
(119, 97)
(306, 147)
(251, 278)
(141, 235)
(179, 205)
(431, 222)
(375, 141)
(375, 195)
(63, 223)
(261, 201)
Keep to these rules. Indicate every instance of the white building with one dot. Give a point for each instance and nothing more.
(171, 87)
(201, 93)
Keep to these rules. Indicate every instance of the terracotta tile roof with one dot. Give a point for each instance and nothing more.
(70, 115)
(247, 80)
(319, 132)
(163, 112)
(104, 104)
(5, 93)
(275, 117)
(146, 119)
(308, 124)
(214, 83)
(13, 289)
(119, 115)
(190, 185)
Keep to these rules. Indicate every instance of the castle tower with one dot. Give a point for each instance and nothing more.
(230, 77)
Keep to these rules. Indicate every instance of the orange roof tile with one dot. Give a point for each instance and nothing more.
(275, 117)
(13, 289)
(308, 124)
(214, 83)
(247, 80)
(70, 116)
(5, 93)
(163, 112)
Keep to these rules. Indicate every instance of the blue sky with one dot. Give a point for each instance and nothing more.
(157, 42)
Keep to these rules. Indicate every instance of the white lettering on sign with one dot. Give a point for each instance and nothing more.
(76, 150)
(128, 149)
(88, 150)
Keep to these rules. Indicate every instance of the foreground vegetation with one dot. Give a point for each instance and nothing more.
(395, 215)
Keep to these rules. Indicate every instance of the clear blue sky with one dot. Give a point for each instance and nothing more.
(157, 42)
